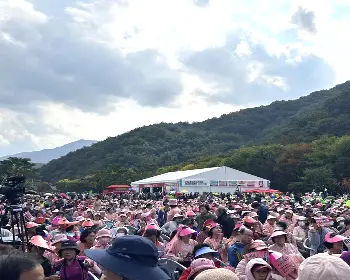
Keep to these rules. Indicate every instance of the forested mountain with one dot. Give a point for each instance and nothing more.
(148, 148)
(46, 155)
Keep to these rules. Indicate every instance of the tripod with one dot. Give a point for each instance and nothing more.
(15, 213)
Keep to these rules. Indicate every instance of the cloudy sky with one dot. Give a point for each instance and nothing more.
(97, 68)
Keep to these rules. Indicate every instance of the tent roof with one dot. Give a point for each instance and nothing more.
(173, 176)
(177, 175)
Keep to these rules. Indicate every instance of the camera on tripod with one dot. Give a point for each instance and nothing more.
(13, 189)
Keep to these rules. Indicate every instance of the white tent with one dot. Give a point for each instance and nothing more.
(214, 179)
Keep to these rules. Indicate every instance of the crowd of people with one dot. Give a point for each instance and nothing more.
(192, 236)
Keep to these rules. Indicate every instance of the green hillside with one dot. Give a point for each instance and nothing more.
(148, 148)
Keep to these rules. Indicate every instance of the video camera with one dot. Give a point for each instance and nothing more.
(13, 189)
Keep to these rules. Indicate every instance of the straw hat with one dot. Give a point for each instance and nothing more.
(217, 274)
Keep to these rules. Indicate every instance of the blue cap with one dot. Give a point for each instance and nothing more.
(132, 257)
(205, 250)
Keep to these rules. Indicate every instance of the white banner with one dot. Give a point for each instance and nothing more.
(224, 183)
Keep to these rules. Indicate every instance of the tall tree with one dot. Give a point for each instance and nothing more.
(17, 167)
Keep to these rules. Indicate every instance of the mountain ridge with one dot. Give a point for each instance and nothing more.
(45, 155)
(146, 149)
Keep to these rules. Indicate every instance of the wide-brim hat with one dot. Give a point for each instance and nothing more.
(69, 244)
(278, 233)
(249, 220)
(132, 257)
(184, 231)
(258, 245)
(206, 250)
(39, 241)
(87, 223)
(334, 239)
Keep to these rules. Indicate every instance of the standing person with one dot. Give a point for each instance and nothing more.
(204, 215)
(163, 214)
(72, 266)
(235, 252)
(174, 209)
(38, 246)
(261, 209)
(87, 239)
(226, 222)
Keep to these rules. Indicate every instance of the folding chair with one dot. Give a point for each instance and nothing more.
(307, 247)
(173, 268)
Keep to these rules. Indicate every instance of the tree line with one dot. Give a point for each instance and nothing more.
(323, 163)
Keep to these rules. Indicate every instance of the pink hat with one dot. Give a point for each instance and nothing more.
(56, 220)
(209, 223)
(59, 238)
(31, 225)
(63, 221)
(258, 245)
(249, 220)
(87, 223)
(200, 265)
(152, 226)
(336, 238)
(103, 233)
(39, 241)
(278, 233)
(184, 230)
(190, 214)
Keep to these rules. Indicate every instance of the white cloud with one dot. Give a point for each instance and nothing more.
(80, 70)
